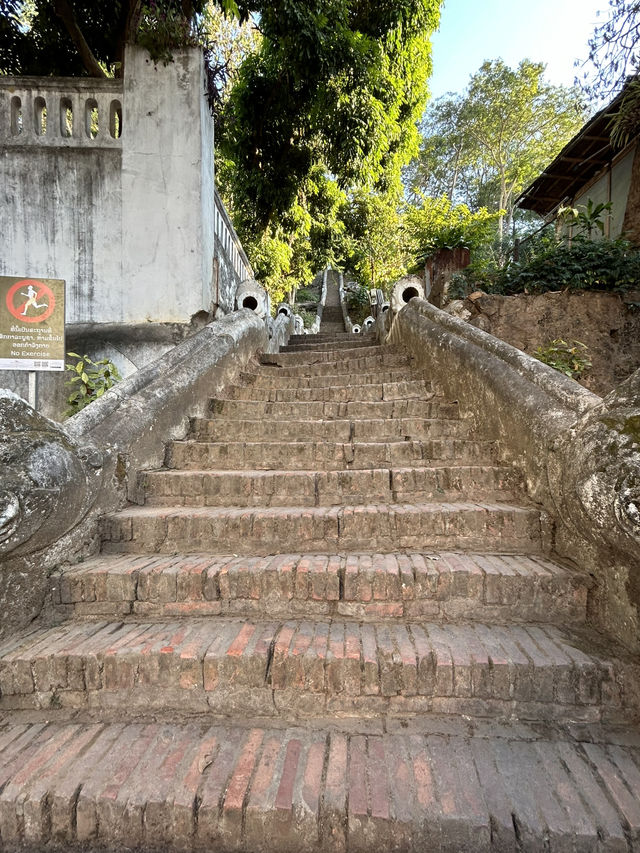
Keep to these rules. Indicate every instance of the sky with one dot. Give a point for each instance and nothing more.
(555, 32)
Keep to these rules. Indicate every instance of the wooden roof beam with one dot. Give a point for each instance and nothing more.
(586, 159)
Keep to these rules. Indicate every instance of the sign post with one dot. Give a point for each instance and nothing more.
(32, 315)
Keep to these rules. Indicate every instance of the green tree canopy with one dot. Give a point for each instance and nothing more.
(439, 224)
(483, 147)
(75, 37)
(342, 82)
(375, 246)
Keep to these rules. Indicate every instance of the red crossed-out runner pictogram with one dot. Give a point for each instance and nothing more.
(30, 301)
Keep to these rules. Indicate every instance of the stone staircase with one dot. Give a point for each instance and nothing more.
(331, 624)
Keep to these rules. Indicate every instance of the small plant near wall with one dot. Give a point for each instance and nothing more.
(308, 317)
(306, 294)
(358, 303)
(89, 381)
(458, 287)
(588, 218)
(570, 358)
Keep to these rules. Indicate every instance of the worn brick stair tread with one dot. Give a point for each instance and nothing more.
(327, 455)
(267, 379)
(429, 407)
(320, 337)
(350, 364)
(339, 429)
(319, 346)
(197, 786)
(311, 356)
(343, 392)
(365, 586)
(304, 668)
(245, 530)
(180, 487)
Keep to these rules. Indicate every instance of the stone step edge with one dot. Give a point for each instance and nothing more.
(309, 668)
(305, 357)
(216, 406)
(195, 786)
(353, 443)
(314, 346)
(288, 382)
(394, 479)
(307, 472)
(364, 586)
(340, 421)
(337, 368)
(434, 525)
(262, 488)
(411, 381)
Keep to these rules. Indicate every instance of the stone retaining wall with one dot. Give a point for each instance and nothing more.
(607, 323)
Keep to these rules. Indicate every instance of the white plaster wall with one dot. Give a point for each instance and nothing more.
(128, 223)
(60, 217)
(162, 188)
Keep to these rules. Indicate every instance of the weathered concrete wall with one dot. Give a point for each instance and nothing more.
(56, 482)
(128, 216)
(61, 196)
(579, 454)
(167, 224)
(608, 323)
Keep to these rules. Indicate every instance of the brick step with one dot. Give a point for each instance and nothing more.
(326, 455)
(485, 587)
(321, 337)
(268, 378)
(340, 337)
(435, 407)
(301, 357)
(344, 392)
(356, 341)
(334, 328)
(381, 429)
(259, 531)
(230, 787)
(327, 488)
(363, 363)
(309, 668)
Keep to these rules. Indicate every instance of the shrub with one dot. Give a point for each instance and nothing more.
(458, 287)
(358, 304)
(305, 294)
(89, 382)
(612, 265)
(572, 359)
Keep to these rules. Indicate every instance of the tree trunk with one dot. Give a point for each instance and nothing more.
(64, 11)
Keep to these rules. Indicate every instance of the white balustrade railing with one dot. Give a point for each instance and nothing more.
(230, 242)
(61, 112)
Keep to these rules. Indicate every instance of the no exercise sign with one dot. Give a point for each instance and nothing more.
(31, 323)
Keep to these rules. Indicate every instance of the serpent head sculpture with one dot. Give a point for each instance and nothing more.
(45, 481)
